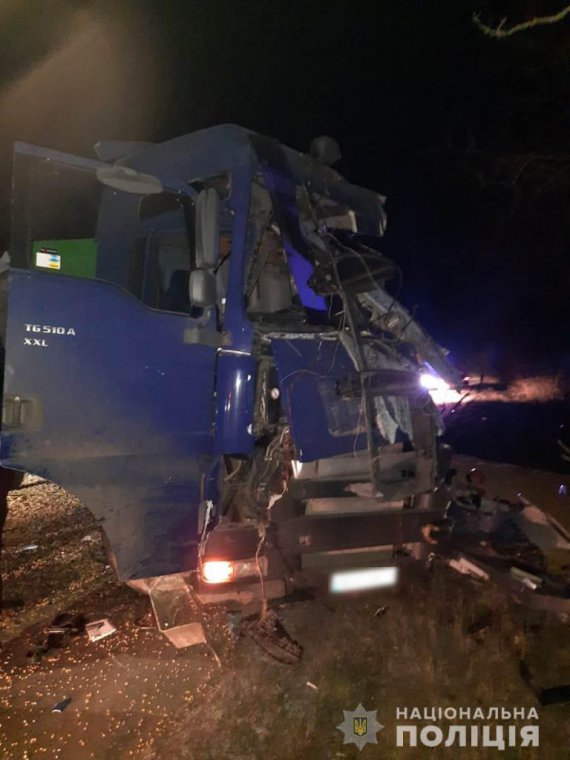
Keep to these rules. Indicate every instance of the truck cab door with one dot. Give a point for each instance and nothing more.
(108, 368)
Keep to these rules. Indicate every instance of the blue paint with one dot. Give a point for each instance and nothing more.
(127, 408)
(282, 188)
(135, 415)
(322, 424)
(235, 396)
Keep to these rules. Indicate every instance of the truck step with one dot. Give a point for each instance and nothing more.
(347, 558)
(393, 465)
(349, 506)
(391, 490)
(303, 490)
(327, 532)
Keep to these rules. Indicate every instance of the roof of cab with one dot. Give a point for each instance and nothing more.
(226, 147)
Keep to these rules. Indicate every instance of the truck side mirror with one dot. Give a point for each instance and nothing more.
(202, 288)
(207, 228)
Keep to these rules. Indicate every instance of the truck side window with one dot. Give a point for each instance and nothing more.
(162, 255)
(54, 218)
(172, 273)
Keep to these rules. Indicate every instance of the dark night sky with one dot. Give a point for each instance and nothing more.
(467, 136)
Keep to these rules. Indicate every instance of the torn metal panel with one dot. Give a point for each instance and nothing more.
(392, 412)
(541, 528)
(322, 423)
(465, 567)
(405, 327)
(503, 542)
(282, 188)
(353, 466)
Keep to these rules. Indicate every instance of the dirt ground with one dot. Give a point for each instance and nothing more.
(133, 695)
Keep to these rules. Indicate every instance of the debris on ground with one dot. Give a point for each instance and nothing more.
(528, 580)
(515, 544)
(269, 633)
(554, 695)
(91, 538)
(481, 624)
(99, 629)
(465, 567)
(166, 702)
(233, 624)
(60, 706)
(60, 571)
(551, 695)
(146, 622)
(57, 635)
(433, 532)
(177, 611)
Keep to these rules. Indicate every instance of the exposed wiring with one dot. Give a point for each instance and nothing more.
(275, 443)
(257, 265)
(351, 252)
(331, 241)
(261, 528)
(262, 532)
(233, 473)
(207, 516)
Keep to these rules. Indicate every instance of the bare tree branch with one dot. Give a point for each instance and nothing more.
(500, 32)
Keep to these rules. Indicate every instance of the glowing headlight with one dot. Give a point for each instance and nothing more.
(224, 571)
(217, 571)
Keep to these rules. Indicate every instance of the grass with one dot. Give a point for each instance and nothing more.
(419, 654)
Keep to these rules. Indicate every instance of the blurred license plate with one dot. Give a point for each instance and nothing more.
(363, 578)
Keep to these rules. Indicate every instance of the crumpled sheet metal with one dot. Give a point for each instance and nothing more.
(541, 529)
(392, 412)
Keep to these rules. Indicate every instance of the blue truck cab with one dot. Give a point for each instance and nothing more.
(200, 342)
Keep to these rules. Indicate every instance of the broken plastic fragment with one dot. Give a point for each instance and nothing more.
(60, 706)
(98, 629)
(90, 537)
(465, 567)
(529, 580)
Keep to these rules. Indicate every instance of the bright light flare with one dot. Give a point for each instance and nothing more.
(433, 382)
(217, 571)
(440, 391)
(363, 579)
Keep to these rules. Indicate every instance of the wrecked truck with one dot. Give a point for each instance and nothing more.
(203, 343)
